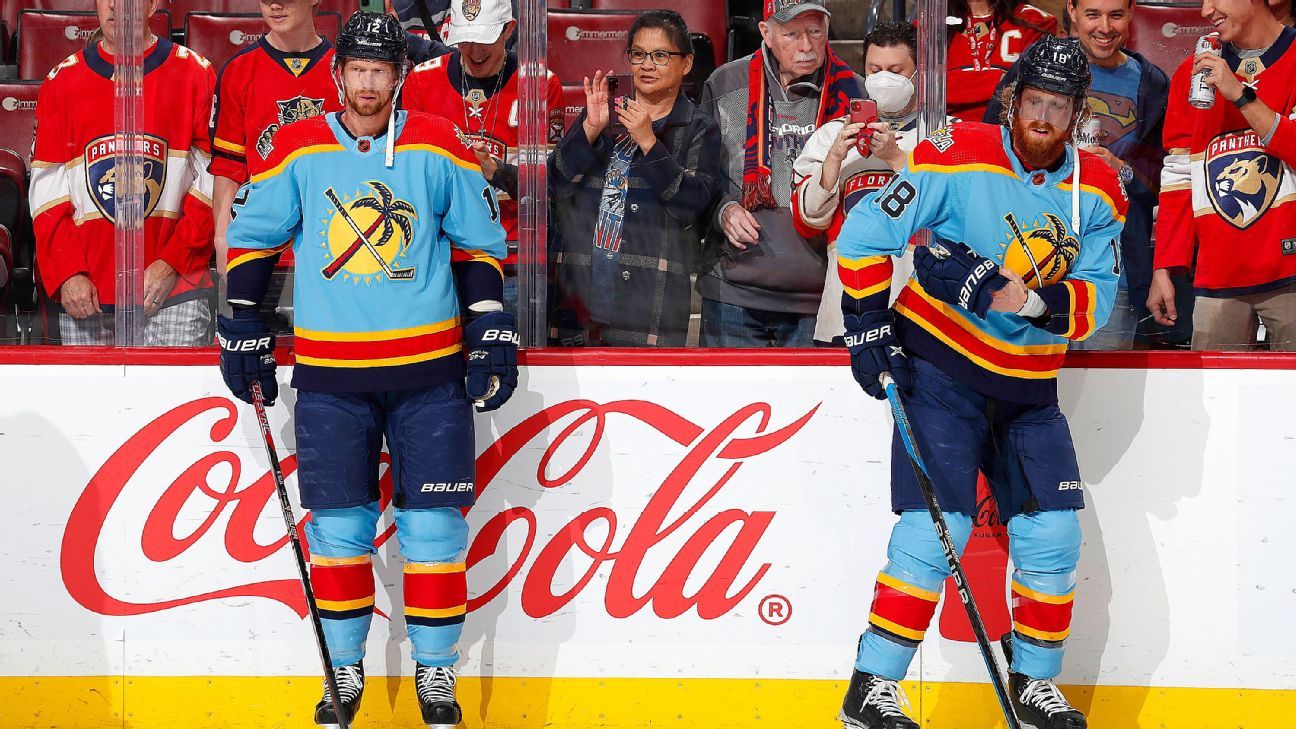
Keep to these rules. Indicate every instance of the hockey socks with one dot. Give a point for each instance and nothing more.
(344, 593)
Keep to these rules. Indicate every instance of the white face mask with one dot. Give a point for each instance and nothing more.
(891, 91)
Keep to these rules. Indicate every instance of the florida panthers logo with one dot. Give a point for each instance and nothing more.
(101, 172)
(1241, 178)
(471, 9)
(1047, 250)
(294, 109)
(366, 235)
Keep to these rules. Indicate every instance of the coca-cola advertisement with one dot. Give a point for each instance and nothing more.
(637, 522)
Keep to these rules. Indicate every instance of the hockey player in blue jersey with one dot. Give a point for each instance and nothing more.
(1032, 228)
(399, 328)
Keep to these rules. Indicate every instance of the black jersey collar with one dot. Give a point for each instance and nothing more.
(152, 60)
(314, 55)
(454, 70)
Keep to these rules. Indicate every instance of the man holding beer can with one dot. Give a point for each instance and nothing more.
(1228, 189)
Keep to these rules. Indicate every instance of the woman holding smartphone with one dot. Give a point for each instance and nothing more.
(630, 186)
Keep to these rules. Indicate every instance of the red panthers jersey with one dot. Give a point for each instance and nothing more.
(1224, 193)
(483, 110)
(981, 55)
(260, 90)
(73, 170)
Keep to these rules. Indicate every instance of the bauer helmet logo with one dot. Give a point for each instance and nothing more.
(1242, 179)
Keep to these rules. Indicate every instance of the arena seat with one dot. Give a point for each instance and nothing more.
(1167, 34)
(9, 9)
(708, 17)
(47, 37)
(18, 117)
(573, 104)
(581, 41)
(180, 9)
(219, 36)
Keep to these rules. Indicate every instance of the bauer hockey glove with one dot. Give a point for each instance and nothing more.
(957, 275)
(492, 342)
(247, 355)
(874, 349)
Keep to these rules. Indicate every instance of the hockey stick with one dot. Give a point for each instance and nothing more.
(947, 545)
(258, 402)
(332, 269)
(399, 274)
(1012, 223)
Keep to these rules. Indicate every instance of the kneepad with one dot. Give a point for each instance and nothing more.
(432, 535)
(916, 550)
(1046, 544)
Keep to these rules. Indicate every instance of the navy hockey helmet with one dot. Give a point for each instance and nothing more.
(372, 37)
(1056, 65)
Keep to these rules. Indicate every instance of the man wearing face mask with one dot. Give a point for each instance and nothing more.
(835, 177)
(761, 280)
(1127, 102)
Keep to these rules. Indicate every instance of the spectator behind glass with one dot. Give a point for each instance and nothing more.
(632, 201)
(72, 202)
(991, 37)
(286, 76)
(761, 279)
(475, 86)
(1228, 197)
(835, 177)
(1127, 100)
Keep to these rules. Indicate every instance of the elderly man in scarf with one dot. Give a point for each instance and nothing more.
(760, 280)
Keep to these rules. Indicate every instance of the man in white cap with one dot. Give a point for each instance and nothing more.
(475, 86)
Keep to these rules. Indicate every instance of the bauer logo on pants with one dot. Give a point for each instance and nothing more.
(101, 172)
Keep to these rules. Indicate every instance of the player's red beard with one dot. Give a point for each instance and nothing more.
(1034, 150)
(367, 107)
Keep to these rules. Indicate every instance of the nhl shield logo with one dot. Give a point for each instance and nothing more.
(1241, 178)
(101, 172)
(471, 9)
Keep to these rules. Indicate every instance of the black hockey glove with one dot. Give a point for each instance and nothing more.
(247, 355)
(957, 275)
(492, 342)
(874, 349)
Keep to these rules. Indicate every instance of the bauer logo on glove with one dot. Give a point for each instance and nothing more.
(958, 275)
(492, 342)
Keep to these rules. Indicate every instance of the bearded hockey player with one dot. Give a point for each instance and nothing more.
(1030, 229)
(397, 243)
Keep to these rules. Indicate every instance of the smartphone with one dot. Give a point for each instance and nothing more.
(620, 87)
(863, 111)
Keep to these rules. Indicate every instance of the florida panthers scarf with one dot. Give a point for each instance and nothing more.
(839, 87)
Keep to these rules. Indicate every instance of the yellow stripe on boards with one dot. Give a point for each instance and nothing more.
(279, 702)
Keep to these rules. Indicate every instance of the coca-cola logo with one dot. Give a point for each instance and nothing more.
(213, 481)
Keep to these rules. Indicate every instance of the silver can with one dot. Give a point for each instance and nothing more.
(1200, 94)
(1090, 133)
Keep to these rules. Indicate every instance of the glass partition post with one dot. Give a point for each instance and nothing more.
(130, 20)
(533, 207)
(932, 47)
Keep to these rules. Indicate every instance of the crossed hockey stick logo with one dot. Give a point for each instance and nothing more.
(392, 214)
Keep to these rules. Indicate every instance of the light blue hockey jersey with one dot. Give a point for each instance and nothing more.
(376, 304)
(966, 184)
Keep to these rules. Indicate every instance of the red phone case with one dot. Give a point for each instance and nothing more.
(863, 111)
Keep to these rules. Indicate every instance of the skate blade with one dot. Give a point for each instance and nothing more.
(849, 723)
(442, 726)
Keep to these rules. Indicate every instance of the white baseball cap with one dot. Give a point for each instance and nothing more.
(477, 21)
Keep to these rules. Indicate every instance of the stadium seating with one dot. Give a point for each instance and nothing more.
(581, 41)
(573, 104)
(9, 9)
(708, 17)
(180, 9)
(218, 37)
(1167, 34)
(18, 117)
(46, 37)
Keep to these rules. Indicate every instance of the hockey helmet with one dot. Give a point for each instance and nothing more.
(1056, 65)
(372, 37)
